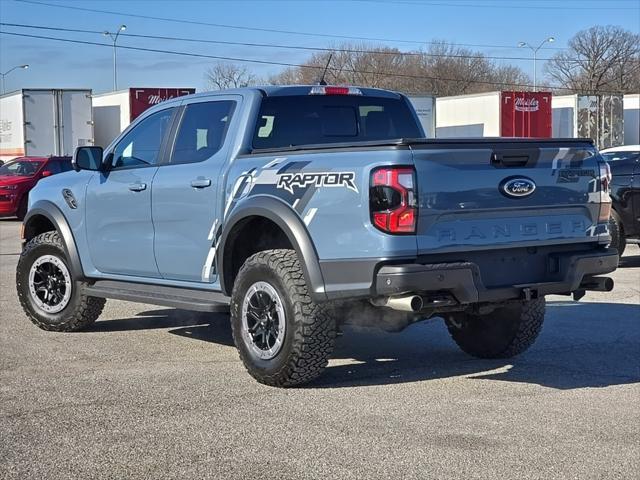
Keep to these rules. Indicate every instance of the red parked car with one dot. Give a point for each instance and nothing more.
(20, 175)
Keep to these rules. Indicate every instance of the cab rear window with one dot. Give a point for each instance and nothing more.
(287, 121)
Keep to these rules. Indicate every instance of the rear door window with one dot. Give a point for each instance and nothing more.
(286, 121)
(65, 165)
(202, 131)
(53, 166)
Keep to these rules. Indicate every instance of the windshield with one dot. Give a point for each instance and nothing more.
(306, 120)
(615, 156)
(20, 168)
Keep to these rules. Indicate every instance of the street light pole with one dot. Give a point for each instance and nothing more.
(535, 57)
(2, 75)
(114, 38)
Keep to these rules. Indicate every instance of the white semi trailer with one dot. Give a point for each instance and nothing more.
(632, 119)
(44, 122)
(599, 117)
(494, 114)
(425, 107)
(114, 111)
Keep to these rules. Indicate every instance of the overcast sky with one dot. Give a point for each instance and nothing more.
(487, 22)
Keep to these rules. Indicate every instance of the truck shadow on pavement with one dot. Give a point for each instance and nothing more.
(630, 261)
(207, 327)
(581, 345)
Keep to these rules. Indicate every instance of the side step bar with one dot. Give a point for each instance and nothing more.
(183, 298)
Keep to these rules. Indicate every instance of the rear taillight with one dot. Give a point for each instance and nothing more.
(605, 188)
(392, 199)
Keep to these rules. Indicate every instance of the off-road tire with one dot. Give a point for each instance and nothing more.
(503, 333)
(81, 311)
(310, 329)
(618, 240)
(21, 212)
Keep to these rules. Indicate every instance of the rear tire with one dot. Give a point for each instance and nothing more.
(503, 333)
(618, 240)
(296, 349)
(69, 309)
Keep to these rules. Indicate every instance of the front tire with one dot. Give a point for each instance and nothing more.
(503, 333)
(284, 338)
(52, 299)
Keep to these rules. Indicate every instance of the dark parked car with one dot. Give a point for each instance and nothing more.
(20, 175)
(625, 193)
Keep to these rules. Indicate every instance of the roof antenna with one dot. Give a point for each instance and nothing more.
(322, 81)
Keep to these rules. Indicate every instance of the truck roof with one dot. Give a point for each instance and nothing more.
(284, 90)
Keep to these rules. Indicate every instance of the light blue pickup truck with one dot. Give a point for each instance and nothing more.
(301, 208)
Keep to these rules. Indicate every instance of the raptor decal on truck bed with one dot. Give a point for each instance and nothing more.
(289, 181)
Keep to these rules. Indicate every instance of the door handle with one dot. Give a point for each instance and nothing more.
(137, 187)
(201, 183)
(514, 158)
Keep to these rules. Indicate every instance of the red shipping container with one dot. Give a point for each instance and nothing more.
(142, 98)
(526, 114)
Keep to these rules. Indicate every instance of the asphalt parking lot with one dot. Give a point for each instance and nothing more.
(151, 392)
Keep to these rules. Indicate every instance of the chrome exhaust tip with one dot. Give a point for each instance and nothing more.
(408, 303)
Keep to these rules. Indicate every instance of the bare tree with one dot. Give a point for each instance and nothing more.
(452, 70)
(228, 75)
(599, 60)
(350, 64)
(441, 70)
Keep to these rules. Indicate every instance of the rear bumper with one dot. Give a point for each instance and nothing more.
(463, 280)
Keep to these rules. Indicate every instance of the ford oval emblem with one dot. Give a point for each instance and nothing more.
(518, 187)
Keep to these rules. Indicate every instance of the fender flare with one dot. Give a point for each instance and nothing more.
(291, 224)
(53, 213)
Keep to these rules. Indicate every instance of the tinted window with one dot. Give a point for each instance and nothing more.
(141, 146)
(316, 119)
(53, 166)
(58, 165)
(202, 131)
(65, 165)
(617, 156)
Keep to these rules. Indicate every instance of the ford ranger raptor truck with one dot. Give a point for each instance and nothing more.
(302, 208)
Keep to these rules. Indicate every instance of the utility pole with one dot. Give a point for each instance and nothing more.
(535, 57)
(114, 39)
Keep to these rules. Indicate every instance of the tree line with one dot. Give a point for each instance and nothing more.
(602, 59)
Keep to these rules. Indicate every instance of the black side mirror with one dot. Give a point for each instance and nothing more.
(87, 158)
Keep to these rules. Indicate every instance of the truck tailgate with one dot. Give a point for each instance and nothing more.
(484, 194)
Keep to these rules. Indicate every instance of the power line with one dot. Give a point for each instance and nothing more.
(259, 29)
(271, 45)
(501, 6)
(283, 64)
